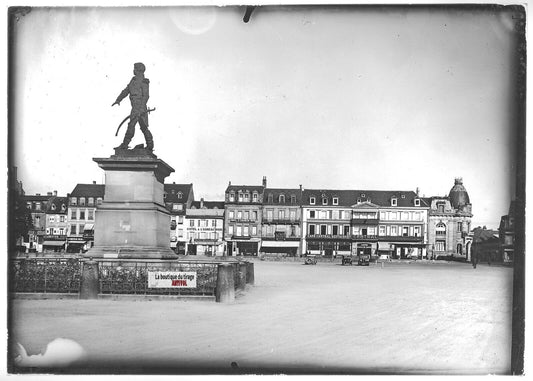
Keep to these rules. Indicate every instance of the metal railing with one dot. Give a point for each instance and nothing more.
(46, 275)
(131, 277)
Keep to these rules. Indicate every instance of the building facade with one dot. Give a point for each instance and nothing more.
(507, 234)
(205, 228)
(326, 218)
(281, 227)
(82, 204)
(242, 218)
(449, 224)
(56, 225)
(37, 204)
(402, 224)
(178, 198)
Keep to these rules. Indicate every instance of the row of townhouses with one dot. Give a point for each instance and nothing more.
(258, 219)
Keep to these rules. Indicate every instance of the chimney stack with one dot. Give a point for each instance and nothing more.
(37, 194)
(94, 182)
(417, 191)
(300, 187)
(202, 203)
(48, 193)
(229, 183)
(264, 181)
(55, 193)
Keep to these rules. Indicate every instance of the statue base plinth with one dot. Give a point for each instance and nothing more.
(132, 222)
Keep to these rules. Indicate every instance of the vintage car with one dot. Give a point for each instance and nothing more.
(362, 259)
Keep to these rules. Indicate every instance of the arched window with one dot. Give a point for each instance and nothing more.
(180, 195)
(281, 198)
(440, 229)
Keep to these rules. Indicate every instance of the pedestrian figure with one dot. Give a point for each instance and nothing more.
(138, 90)
(474, 259)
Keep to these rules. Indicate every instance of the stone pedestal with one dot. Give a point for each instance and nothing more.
(132, 221)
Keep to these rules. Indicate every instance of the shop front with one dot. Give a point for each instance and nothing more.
(54, 246)
(243, 247)
(328, 247)
(280, 247)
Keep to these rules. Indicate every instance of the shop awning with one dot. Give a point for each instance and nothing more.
(88, 227)
(280, 244)
(53, 243)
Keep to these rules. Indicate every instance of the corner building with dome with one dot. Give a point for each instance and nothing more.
(449, 220)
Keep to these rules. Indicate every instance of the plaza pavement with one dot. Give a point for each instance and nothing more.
(433, 317)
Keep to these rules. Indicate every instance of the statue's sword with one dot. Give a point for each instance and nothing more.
(126, 118)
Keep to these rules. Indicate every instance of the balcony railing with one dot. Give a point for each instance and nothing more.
(273, 237)
(365, 221)
(281, 221)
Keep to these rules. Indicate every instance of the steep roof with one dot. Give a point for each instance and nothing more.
(482, 235)
(250, 188)
(173, 190)
(208, 205)
(287, 192)
(351, 197)
(88, 190)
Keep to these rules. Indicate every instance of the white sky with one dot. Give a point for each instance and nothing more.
(349, 98)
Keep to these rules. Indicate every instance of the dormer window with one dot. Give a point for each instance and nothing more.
(324, 201)
(281, 198)
(394, 201)
(363, 195)
(232, 196)
(173, 191)
(254, 197)
(417, 202)
(293, 199)
(403, 196)
(180, 195)
(312, 200)
(335, 201)
(73, 201)
(53, 207)
(240, 197)
(99, 201)
(270, 198)
(358, 200)
(63, 207)
(247, 197)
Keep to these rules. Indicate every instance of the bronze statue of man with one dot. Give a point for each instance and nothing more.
(138, 90)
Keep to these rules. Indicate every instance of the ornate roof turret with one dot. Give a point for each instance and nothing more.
(458, 194)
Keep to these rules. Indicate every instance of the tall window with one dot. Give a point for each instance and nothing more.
(240, 197)
(417, 231)
(293, 199)
(311, 229)
(246, 231)
(335, 230)
(82, 200)
(394, 202)
(346, 229)
(73, 201)
(90, 215)
(270, 198)
(191, 223)
(239, 231)
(440, 245)
(246, 215)
(73, 214)
(231, 214)
(405, 231)
(394, 230)
(230, 230)
(232, 196)
(73, 230)
(335, 201)
(91, 201)
(324, 201)
(440, 207)
(311, 214)
(239, 215)
(99, 200)
(281, 214)
(312, 200)
(382, 230)
(254, 197)
(323, 230)
(247, 197)
(440, 229)
(281, 198)
(37, 206)
(61, 218)
(254, 215)
(254, 230)
(82, 214)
